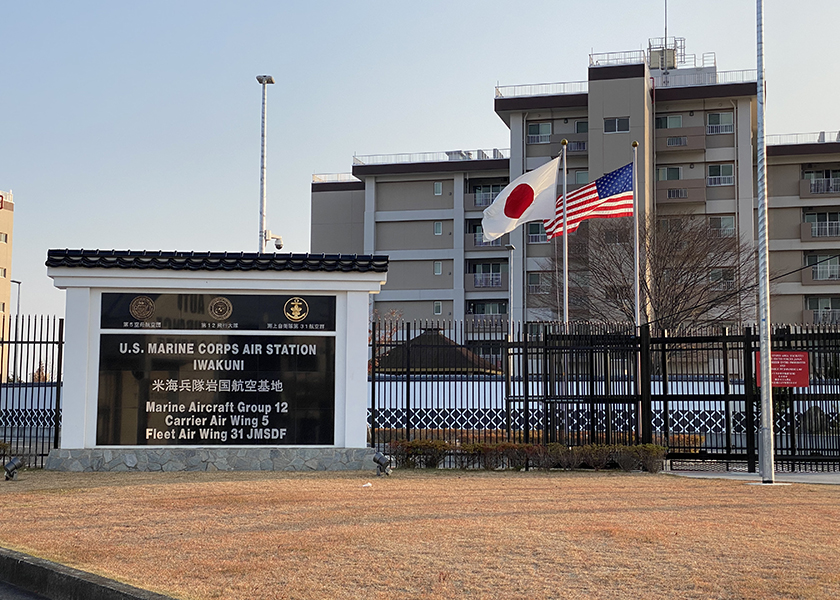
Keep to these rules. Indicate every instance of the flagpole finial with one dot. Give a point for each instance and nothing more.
(635, 144)
(564, 141)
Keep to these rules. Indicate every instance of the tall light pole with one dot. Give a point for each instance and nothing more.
(263, 80)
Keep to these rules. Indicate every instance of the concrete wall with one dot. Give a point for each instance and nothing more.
(418, 274)
(338, 220)
(414, 195)
(413, 235)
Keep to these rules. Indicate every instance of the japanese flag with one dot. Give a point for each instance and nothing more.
(529, 197)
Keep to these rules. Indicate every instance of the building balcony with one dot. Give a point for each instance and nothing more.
(681, 191)
(497, 282)
(821, 275)
(680, 139)
(542, 138)
(720, 129)
(815, 232)
(816, 188)
(821, 317)
(475, 241)
(722, 232)
(538, 289)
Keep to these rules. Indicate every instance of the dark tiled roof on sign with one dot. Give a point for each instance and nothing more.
(215, 261)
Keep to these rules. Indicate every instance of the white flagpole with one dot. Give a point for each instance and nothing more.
(765, 458)
(636, 234)
(563, 143)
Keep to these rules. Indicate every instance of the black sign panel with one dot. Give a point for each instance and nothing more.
(216, 390)
(215, 312)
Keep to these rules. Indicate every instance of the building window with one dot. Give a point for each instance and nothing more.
(3, 272)
(677, 193)
(581, 126)
(826, 309)
(668, 173)
(824, 267)
(823, 181)
(824, 224)
(485, 194)
(438, 188)
(438, 267)
(719, 123)
(538, 283)
(581, 177)
(438, 307)
(668, 122)
(617, 125)
(438, 227)
(487, 308)
(722, 279)
(536, 233)
(2, 307)
(487, 275)
(4, 237)
(722, 227)
(721, 175)
(676, 142)
(539, 133)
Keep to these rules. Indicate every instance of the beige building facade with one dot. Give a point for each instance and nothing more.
(7, 221)
(695, 127)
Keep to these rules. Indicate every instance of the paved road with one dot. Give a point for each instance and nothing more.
(10, 592)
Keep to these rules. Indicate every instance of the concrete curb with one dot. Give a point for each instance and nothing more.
(57, 582)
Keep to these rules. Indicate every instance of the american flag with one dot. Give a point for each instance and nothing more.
(606, 197)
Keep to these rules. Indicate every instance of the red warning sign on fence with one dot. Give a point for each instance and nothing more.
(787, 369)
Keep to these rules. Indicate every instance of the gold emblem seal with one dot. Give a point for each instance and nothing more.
(142, 308)
(296, 309)
(220, 308)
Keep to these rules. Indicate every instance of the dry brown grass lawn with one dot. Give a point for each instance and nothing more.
(432, 534)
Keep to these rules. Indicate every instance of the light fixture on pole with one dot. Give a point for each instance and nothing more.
(263, 80)
(17, 312)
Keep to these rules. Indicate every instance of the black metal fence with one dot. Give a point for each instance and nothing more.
(31, 358)
(693, 392)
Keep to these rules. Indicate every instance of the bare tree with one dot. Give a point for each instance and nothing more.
(691, 274)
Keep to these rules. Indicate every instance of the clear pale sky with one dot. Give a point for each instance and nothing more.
(136, 125)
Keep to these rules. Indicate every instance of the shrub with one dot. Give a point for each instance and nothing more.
(468, 455)
(626, 457)
(651, 456)
(419, 453)
(596, 456)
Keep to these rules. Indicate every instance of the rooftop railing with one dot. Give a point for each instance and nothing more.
(673, 79)
(542, 89)
(421, 157)
(819, 137)
(333, 177)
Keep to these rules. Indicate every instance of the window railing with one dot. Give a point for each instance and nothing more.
(479, 240)
(537, 238)
(716, 129)
(827, 315)
(576, 147)
(485, 198)
(825, 186)
(825, 229)
(540, 138)
(538, 288)
(675, 193)
(825, 272)
(722, 232)
(723, 285)
(705, 77)
(487, 280)
(719, 180)
(677, 141)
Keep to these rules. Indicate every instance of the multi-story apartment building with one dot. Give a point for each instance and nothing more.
(7, 219)
(696, 129)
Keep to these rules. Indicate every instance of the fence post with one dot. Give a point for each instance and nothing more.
(644, 380)
(408, 381)
(59, 377)
(526, 384)
(666, 405)
(749, 399)
(373, 353)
